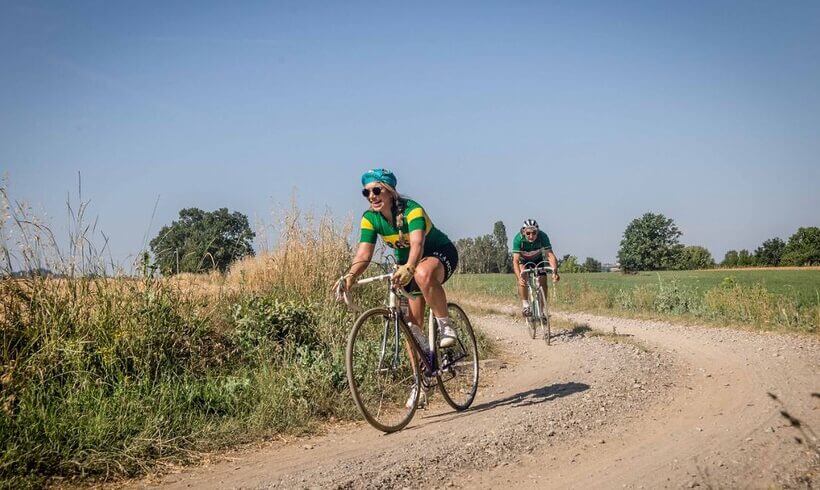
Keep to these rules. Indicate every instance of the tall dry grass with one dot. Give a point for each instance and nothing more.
(310, 254)
(105, 375)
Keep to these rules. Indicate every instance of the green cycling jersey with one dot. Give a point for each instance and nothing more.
(415, 218)
(529, 250)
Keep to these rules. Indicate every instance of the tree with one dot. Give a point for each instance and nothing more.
(730, 259)
(485, 253)
(465, 252)
(200, 241)
(695, 257)
(803, 247)
(745, 258)
(650, 243)
(502, 248)
(569, 263)
(591, 265)
(770, 252)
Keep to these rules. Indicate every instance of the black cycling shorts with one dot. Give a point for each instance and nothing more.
(448, 256)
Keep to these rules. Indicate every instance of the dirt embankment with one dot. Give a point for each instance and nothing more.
(656, 406)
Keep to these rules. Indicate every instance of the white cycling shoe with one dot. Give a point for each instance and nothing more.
(447, 336)
(414, 397)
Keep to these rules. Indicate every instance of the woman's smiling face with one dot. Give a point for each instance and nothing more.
(378, 196)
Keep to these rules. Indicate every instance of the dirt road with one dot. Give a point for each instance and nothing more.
(655, 406)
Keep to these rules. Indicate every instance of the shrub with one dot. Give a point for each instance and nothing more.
(674, 299)
(262, 325)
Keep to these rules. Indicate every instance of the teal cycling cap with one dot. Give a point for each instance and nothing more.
(379, 175)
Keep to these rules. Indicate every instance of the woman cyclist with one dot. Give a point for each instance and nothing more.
(426, 257)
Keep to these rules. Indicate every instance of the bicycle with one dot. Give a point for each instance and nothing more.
(382, 361)
(539, 307)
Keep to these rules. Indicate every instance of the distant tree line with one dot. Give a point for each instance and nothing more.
(651, 242)
(569, 263)
(200, 241)
(803, 248)
(491, 253)
(485, 253)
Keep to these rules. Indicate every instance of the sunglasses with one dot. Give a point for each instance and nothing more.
(375, 190)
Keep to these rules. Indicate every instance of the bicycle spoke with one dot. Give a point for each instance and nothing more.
(381, 394)
(459, 380)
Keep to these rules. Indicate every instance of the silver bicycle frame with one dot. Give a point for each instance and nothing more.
(393, 305)
(535, 287)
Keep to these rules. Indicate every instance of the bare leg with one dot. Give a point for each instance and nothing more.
(417, 305)
(522, 292)
(542, 280)
(429, 276)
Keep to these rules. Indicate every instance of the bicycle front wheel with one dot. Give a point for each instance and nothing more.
(382, 373)
(532, 322)
(545, 315)
(458, 381)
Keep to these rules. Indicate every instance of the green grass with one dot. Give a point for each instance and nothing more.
(103, 377)
(802, 285)
(787, 300)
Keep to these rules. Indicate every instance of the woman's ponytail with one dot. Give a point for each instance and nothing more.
(399, 208)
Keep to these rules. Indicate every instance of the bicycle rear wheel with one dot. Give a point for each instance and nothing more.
(458, 381)
(382, 373)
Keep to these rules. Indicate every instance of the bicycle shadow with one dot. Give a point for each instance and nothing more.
(578, 330)
(524, 398)
(534, 396)
(581, 330)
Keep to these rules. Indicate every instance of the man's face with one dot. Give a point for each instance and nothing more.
(530, 234)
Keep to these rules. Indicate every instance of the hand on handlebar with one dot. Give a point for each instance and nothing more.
(403, 275)
(342, 286)
(555, 276)
(350, 281)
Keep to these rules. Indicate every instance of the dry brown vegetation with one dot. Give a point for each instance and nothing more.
(106, 374)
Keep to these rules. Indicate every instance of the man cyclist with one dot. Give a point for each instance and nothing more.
(529, 247)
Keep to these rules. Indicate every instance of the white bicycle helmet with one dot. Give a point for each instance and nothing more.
(530, 223)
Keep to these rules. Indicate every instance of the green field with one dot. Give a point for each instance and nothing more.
(802, 285)
(778, 299)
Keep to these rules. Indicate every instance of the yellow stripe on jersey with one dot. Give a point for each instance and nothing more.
(420, 213)
(366, 224)
(416, 213)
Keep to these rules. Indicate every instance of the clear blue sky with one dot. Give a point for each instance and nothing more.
(583, 115)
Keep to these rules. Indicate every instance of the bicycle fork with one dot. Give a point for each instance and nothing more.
(395, 345)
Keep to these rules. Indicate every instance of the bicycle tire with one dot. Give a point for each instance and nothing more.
(545, 316)
(531, 325)
(459, 390)
(381, 393)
